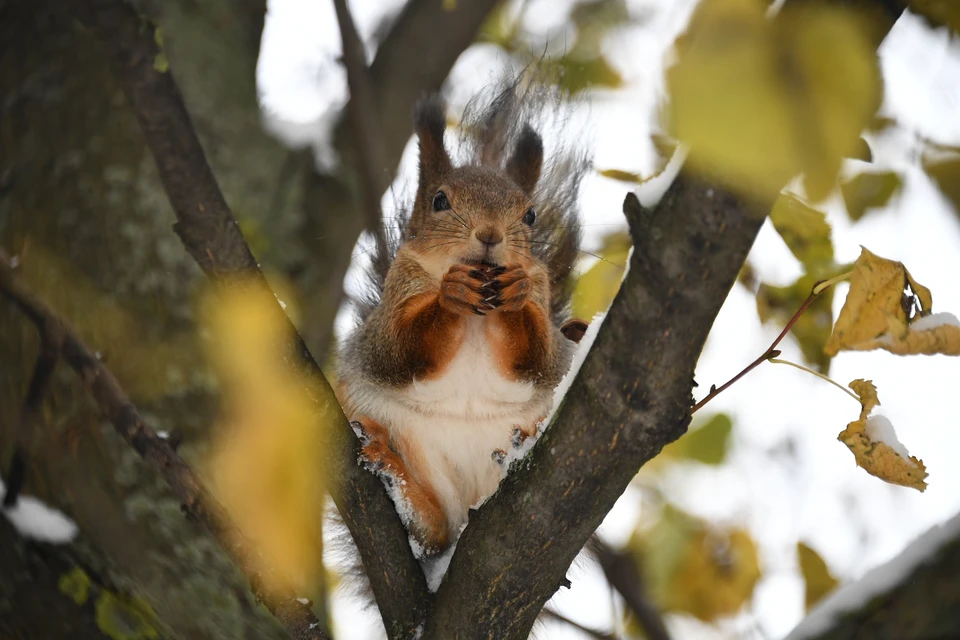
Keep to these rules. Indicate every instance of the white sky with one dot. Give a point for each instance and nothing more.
(853, 520)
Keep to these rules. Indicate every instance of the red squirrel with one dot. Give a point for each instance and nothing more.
(458, 360)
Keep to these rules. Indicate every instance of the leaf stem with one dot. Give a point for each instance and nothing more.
(819, 375)
(771, 351)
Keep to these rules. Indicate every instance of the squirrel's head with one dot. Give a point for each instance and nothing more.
(473, 213)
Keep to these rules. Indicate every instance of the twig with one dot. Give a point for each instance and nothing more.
(819, 375)
(211, 236)
(622, 573)
(367, 134)
(593, 633)
(198, 503)
(51, 339)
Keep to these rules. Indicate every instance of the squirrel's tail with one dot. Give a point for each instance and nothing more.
(490, 125)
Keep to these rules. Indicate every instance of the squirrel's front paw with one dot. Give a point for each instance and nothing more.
(512, 286)
(464, 290)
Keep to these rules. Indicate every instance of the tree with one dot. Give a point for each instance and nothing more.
(627, 403)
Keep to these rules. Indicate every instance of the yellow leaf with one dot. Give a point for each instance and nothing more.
(877, 458)
(806, 232)
(939, 12)
(876, 313)
(760, 100)
(625, 176)
(816, 576)
(266, 463)
(596, 289)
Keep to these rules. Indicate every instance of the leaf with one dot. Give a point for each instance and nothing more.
(760, 101)
(938, 12)
(812, 329)
(862, 152)
(877, 458)
(945, 172)
(877, 313)
(816, 576)
(869, 190)
(579, 73)
(266, 463)
(595, 290)
(707, 444)
(625, 176)
(694, 569)
(806, 232)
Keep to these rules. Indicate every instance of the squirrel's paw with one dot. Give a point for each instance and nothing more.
(510, 285)
(463, 290)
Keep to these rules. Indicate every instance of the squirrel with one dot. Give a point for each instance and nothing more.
(467, 334)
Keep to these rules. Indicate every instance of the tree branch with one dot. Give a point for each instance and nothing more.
(51, 339)
(622, 573)
(197, 502)
(416, 56)
(593, 633)
(211, 235)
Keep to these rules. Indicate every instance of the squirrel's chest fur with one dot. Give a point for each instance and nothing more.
(447, 428)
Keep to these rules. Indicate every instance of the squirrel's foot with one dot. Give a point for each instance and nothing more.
(463, 291)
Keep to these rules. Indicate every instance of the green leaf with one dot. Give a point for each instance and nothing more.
(938, 12)
(806, 232)
(595, 290)
(946, 173)
(707, 444)
(760, 100)
(869, 190)
(625, 176)
(862, 151)
(816, 576)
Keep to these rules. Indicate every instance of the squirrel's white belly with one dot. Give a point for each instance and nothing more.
(461, 418)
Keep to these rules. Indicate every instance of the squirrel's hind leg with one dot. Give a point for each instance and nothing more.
(425, 519)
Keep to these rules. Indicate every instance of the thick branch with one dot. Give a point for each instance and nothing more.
(212, 237)
(197, 501)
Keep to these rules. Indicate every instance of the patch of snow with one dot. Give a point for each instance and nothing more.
(33, 518)
(435, 567)
(163, 435)
(935, 320)
(651, 191)
(303, 601)
(578, 357)
(880, 429)
(855, 595)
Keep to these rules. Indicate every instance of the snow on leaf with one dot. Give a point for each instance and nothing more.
(875, 446)
(877, 313)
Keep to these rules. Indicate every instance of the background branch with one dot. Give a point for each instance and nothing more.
(211, 235)
(197, 502)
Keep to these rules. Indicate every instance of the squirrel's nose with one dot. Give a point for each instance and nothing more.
(489, 236)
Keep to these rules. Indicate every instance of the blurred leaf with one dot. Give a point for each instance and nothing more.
(945, 171)
(863, 151)
(806, 232)
(266, 463)
(938, 12)
(816, 576)
(577, 74)
(812, 329)
(760, 101)
(869, 190)
(693, 569)
(595, 290)
(706, 444)
(625, 176)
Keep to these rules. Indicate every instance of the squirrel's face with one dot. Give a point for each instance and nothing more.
(476, 215)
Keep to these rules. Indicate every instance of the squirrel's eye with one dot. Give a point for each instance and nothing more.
(440, 202)
(530, 217)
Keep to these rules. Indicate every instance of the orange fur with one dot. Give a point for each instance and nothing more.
(437, 333)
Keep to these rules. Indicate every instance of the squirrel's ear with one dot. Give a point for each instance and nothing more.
(430, 121)
(527, 160)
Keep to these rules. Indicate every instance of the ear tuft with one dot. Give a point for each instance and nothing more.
(430, 121)
(527, 160)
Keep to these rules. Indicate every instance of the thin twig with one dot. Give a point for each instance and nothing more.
(367, 134)
(593, 633)
(197, 502)
(623, 574)
(819, 375)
